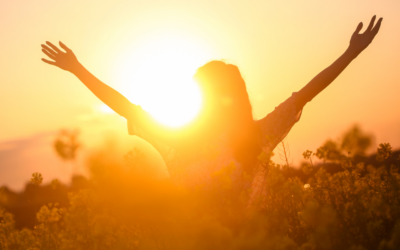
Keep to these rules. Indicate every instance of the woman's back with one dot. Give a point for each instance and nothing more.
(216, 159)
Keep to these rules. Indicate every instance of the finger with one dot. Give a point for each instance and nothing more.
(54, 47)
(64, 47)
(49, 50)
(48, 54)
(377, 27)
(359, 27)
(49, 62)
(371, 24)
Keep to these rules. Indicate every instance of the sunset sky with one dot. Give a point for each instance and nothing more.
(149, 50)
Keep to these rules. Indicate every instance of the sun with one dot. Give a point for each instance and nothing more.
(157, 75)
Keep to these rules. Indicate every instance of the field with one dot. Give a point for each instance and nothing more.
(341, 198)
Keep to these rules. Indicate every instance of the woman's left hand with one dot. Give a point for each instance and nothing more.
(358, 41)
(64, 60)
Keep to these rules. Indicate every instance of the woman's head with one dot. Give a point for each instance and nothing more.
(226, 106)
(224, 91)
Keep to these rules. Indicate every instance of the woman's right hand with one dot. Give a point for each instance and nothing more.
(358, 41)
(64, 60)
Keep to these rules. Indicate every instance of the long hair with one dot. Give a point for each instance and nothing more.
(227, 106)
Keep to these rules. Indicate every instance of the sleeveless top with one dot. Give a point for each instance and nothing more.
(217, 159)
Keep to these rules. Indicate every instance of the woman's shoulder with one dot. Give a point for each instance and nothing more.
(276, 125)
(286, 110)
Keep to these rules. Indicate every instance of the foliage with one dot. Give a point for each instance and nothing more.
(121, 207)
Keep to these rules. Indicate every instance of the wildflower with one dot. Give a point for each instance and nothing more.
(307, 154)
(346, 163)
(384, 151)
(46, 214)
(36, 179)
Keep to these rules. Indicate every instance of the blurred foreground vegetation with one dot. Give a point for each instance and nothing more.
(341, 198)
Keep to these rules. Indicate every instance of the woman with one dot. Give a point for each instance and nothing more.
(224, 133)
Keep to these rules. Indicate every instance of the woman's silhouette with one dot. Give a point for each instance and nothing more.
(224, 131)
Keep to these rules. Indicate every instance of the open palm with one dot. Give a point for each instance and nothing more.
(359, 41)
(64, 60)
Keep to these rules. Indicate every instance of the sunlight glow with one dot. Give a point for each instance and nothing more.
(157, 74)
(105, 109)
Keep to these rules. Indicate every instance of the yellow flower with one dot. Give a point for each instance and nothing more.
(36, 179)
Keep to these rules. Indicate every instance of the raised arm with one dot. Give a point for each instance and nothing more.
(68, 61)
(358, 43)
(112, 98)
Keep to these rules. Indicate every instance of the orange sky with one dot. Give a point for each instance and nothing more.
(278, 46)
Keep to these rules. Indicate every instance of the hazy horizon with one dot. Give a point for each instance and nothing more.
(278, 47)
